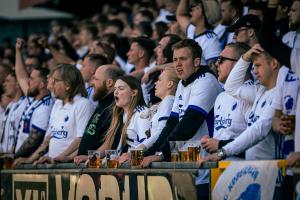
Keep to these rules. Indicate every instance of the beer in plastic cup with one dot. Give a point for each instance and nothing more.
(136, 157)
(94, 159)
(112, 158)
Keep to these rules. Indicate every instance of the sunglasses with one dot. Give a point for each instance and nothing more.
(221, 59)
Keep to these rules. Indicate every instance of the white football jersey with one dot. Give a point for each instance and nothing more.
(10, 124)
(161, 113)
(208, 41)
(136, 130)
(35, 115)
(256, 140)
(67, 122)
(292, 39)
(285, 99)
(297, 130)
(230, 116)
(198, 95)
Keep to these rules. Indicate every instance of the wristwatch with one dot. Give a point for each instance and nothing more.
(221, 154)
(160, 154)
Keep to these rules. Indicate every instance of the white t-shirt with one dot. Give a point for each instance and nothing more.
(292, 39)
(208, 41)
(231, 116)
(11, 122)
(136, 130)
(160, 113)
(257, 140)
(67, 122)
(35, 115)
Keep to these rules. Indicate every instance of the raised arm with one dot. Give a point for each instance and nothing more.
(21, 73)
(182, 14)
(234, 84)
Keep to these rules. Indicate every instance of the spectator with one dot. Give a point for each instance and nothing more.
(128, 128)
(197, 28)
(230, 113)
(68, 119)
(103, 83)
(194, 98)
(13, 113)
(34, 119)
(231, 10)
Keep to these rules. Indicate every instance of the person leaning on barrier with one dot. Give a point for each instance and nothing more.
(68, 119)
(194, 99)
(103, 83)
(257, 140)
(230, 113)
(129, 120)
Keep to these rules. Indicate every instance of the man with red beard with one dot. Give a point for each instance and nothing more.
(103, 83)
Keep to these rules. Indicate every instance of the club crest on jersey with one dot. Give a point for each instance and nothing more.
(252, 118)
(288, 102)
(66, 118)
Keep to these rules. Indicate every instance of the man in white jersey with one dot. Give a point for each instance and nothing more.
(192, 114)
(68, 119)
(12, 114)
(257, 139)
(34, 119)
(230, 113)
(196, 28)
(292, 38)
(231, 10)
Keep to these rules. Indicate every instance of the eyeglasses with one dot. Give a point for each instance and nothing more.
(55, 80)
(236, 32)
(221, 59)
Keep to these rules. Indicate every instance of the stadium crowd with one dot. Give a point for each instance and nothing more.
(220, 74)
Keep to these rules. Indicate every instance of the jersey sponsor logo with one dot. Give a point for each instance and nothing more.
(59, 134)
(288, 102)
(222, 123)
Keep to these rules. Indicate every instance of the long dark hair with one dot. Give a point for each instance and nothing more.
(138, 100)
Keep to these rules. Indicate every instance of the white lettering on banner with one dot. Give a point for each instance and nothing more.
(85, 187)
(110, 188)
(247, 180)
(36, 187)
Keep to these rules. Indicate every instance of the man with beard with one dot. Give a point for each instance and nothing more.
(34, 119)
(103, 83)
(231, 10)
(12, 114)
